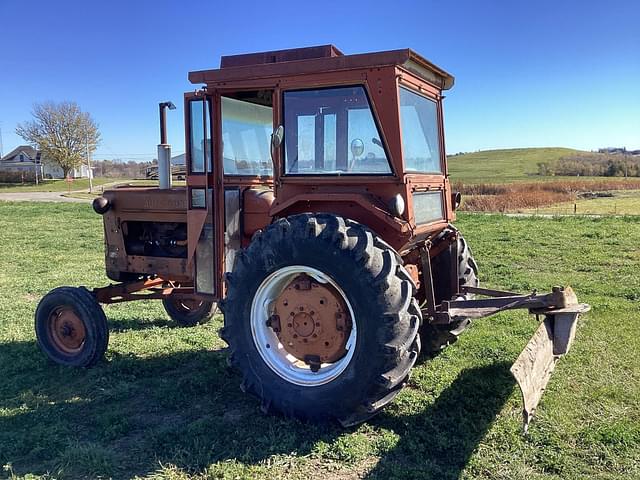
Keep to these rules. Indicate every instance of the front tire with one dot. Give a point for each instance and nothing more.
(367, 275)
(71, 327)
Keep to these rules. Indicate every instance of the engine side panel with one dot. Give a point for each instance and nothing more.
(145, 233)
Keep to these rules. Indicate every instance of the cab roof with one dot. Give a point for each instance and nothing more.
(317, 59)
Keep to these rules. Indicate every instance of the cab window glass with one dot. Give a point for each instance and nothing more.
(420, 140)
(200, 142)
(332, 131)
(246, 137)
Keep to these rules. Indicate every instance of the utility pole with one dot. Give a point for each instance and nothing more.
(35, 161)
(1, 155)
(89, 165)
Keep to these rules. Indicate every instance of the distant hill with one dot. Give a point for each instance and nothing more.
(496, 166)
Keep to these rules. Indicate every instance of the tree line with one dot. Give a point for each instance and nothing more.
(121, 169)
(592, 165)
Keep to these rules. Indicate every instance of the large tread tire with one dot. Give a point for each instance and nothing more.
(436, 338)
(88, 311)
(186, 315)
(380, 292)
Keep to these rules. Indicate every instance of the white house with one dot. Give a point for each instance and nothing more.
(25, 159)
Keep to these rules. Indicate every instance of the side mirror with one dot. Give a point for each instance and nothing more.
(276, 140)
(277, 136)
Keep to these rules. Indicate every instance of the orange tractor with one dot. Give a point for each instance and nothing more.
(318, 182)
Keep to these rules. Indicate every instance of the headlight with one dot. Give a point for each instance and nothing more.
(427, 207)
(396, 205)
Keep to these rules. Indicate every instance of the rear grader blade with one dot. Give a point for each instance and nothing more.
(534, 366)
(553, 338)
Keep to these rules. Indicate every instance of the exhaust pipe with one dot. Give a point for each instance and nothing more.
(164, 149)
(164, 166)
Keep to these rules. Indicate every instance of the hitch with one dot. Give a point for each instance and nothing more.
(553, 338)
(152, 287)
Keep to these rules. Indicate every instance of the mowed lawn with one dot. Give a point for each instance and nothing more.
(165, 405)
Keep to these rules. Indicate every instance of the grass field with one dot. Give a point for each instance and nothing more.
(503, 166)
(164, 404)
(582, 197)
(58, 185)
(623, 202)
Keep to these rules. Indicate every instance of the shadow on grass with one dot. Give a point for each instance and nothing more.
(127, 416)
(438, 442)
(124, 324)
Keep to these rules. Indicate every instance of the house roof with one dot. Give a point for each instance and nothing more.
(28, 150)
(178, 159)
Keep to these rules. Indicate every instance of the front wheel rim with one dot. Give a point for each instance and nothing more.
(267, 343)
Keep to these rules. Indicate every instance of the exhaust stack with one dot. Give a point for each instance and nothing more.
(164, 149)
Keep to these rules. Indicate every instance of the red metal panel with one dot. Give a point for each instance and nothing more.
(403, 57)
(277, 56)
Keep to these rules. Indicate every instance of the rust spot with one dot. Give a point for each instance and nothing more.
(66, 330)
(318, 325)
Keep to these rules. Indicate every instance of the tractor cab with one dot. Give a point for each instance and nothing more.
(278, 133)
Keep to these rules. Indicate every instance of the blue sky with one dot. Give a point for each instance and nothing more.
(528, 73)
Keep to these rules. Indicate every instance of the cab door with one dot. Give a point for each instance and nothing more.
(201, 203)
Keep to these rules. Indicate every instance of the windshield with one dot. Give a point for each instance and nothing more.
(420, 143)
(332, 131)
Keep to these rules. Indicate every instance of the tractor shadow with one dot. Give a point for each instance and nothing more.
(438, 442)
(124, 324)
(131, 414)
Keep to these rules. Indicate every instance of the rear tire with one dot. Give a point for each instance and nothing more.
(376, 288)
(71, 327)
(436, 338)
(188, 312)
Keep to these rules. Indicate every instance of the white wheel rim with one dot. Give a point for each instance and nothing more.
(272, 351)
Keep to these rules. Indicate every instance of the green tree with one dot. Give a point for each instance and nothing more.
(62, 132)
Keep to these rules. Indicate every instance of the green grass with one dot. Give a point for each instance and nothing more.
(164, 404)
(623, 202)
(503, 166)
(58, 185)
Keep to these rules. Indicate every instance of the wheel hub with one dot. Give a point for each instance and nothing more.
(67, 330)
(311, 321)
